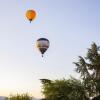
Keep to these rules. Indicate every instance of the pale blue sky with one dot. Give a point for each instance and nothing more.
(70, 25)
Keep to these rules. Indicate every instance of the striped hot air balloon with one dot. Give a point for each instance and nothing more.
(42, 45)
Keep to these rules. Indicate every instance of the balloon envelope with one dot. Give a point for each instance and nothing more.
(31, 15)
(43, 45)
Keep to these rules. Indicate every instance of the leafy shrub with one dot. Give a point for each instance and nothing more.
(24, 96)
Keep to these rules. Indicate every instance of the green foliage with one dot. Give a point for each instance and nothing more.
(6, 98)
(45, 81)
(89, 68)
(71, 89)
(21, 97)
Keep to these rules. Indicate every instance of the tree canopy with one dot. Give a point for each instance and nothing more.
(89, 69)
(71, 89)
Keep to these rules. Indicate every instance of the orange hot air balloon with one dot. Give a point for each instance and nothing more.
(30, 14)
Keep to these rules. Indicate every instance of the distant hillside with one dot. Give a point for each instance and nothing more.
(2, 98)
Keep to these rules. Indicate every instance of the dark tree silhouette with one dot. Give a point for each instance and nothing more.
(89, 68)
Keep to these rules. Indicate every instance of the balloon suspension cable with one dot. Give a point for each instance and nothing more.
(42, 55)
(30, 21)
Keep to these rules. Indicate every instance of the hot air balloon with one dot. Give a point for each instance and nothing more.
(30, 14)
(43, 45)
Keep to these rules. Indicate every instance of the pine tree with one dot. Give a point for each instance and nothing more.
(89, 68)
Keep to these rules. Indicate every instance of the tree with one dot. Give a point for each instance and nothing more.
(71, 89)
(89, 68)
(45, 81)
